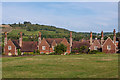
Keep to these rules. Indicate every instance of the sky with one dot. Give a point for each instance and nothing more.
(74, 16)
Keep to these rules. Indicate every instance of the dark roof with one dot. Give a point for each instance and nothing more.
(78, 44)
(118, 38)
(16, 43)
(57, 40)
(29, 46)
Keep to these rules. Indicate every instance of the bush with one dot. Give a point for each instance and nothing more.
(66, 54)
(51, 53)
(38, 51)
(42, 53)
(83, 49)
(19, 52)
(29, 53)
(60, 49)
(3, 53)
(93, 52)
(46, 53)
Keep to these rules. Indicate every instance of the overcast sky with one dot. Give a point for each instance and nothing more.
(74, 16)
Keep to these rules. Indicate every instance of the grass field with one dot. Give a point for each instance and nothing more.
(61, 66)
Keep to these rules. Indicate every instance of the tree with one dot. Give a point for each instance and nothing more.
(60, 49)
(25, 22)
(83, 49)
(19, 52)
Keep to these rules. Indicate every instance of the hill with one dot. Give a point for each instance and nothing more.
(5, 28)
(30, 32)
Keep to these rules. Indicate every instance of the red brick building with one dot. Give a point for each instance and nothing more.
(46, 45)
(107, 46)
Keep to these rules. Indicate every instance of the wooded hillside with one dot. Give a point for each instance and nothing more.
(30, 32)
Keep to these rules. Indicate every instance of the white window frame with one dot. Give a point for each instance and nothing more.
(53, 47)
(43, 47)
(108, 47)
(9, 47)
(95, 47)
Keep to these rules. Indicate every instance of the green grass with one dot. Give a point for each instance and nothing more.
(61, 66)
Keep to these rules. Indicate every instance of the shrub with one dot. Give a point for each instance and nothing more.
(38, 51)
(19, 52)
(72, 53)
(93, 52)
(34, 51)
(51, 53)
(3, 53)
(42, 53)
(66, 54)
(28, 53)
(60, 49)
(46, 53)
(83, 49)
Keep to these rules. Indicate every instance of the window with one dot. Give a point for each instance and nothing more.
(95, 47)
(43, 47)
(109, 47)
(53, 47)
(9, 47)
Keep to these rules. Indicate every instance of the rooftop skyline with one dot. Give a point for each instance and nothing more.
(74, 16)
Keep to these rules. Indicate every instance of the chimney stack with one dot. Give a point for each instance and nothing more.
(20, 40)
(5, 39)
(102, 38)
(114, 37)
(90, 38)
(70, 39)
(39, 38)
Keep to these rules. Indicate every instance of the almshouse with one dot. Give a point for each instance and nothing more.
(46, 45)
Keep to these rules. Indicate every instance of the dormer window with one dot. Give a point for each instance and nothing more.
(95, 47)
(9, 47)
(43, 47)
(108, 47)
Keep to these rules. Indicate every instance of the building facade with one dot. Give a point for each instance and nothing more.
(46, 45)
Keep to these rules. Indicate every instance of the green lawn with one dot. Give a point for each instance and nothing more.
(61, 66)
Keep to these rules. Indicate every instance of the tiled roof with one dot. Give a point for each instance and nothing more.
(16, 43)
(29, 46)
(78, 44)
(57, 40)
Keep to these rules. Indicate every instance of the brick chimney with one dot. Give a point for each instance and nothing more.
(39, 38)
(70, 39)
(5, 39)
(114, 37)
(20, 40)
(102, 38)
(90, 38)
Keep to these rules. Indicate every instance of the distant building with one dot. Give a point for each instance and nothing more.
(106, 46)
(46, 45)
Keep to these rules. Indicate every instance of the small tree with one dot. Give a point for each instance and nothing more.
(19, 52)
(83, 49)
(38, 51)
(60, 49)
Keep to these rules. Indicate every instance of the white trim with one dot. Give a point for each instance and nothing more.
(97, 41)
(9, 47)
(106, 41)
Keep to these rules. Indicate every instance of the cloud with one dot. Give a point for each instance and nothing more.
(73, 16)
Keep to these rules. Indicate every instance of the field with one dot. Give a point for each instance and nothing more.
(61, 66)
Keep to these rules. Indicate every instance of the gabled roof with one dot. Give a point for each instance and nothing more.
(107, 40)
(57, 40)
(16, 43)
(78, 44)
(29, 46)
